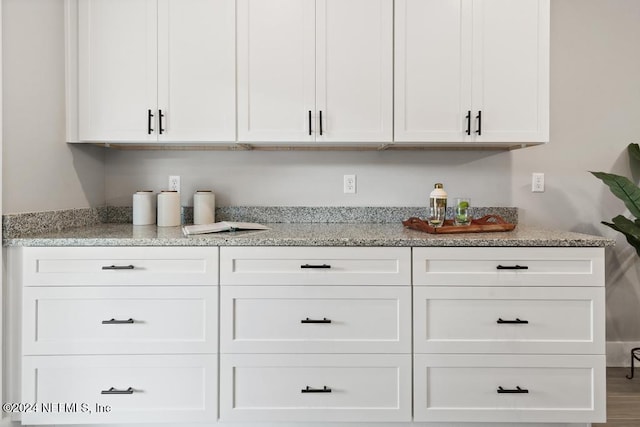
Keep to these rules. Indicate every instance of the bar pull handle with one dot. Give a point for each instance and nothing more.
(512, 322)
(113, 321)
(118, 267)
(323, 320)
(149, 118)
(113, 390)
(512, 267)
(315, 266)
(309, 122)
(320, 122)
(517, 390)
(308, 389)
(479, 117)
(468, 117)
(160, 116)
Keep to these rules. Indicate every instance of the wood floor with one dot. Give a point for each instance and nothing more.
(623, 399)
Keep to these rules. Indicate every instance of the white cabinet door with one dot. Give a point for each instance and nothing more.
(319, 388)
(276, 70)
(511, 70)
(354, 57)
(119, 320)
(315, 319)
(120, 389)
(433, 70)
(509, 388)
(472, 71)
(117, 63)
(196, 70)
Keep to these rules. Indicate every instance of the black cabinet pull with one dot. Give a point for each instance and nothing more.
(512, 267)
(160, 116)
(320, 122)
(149, 128)
(113, 321)
(308, 389)
(517, 390)
(479, 117)
(113, 390)
(315, 266)
(118, 267)
(307, 320)
(512, 322)
(468, 117)
(309, 122)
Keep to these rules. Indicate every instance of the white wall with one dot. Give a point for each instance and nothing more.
(313, 178)
(40, 171)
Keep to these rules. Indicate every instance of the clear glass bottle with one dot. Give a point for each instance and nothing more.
(437, 206)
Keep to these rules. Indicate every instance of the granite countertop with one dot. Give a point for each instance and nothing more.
(303, 234)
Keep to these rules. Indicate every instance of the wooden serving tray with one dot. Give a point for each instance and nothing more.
(486, 224)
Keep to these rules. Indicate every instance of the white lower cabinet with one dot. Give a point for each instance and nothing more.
(119, 335)
(327, 387)
(443, 336)
(120, 389)
(315, 334)
(509, 335)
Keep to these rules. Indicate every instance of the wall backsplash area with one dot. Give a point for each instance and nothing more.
(595, 104)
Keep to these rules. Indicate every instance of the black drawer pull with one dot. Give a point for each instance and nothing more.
(324, 320)
(512, 267)
(118, 267)
(324, 389)
(512, 322)
(315, 266)
(517, 390)
(468, 117)
(113, 390)
(118, 322)
(149, 117)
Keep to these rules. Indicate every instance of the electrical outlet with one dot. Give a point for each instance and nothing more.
(349, 184)
(174, 183)
(537, 182)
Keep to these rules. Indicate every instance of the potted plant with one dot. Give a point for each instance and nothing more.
(629, 193)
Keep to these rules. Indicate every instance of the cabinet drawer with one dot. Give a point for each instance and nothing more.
(120, 320)
(508, 266)
(464, 388)
(509, 320)
(314, 266)
(162, 388)
(315, 319)
(120, 266)
(274, 387)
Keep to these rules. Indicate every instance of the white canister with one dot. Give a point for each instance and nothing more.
(144, 208)
(204, 207)
(168, 209)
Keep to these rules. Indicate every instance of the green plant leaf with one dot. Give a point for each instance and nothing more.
(623, 189)
(634, 151)
(629, 228)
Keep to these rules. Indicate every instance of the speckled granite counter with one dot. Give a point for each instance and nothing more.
(303, 234)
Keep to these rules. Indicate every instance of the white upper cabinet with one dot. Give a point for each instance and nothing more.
(117, 69)
(472, 71)
(276, 70)
(156, 70)
(315, 71)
